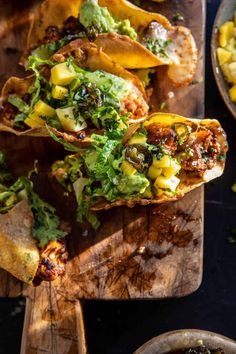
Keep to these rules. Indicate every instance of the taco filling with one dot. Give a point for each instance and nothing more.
(69, 98)
(150, 40)
(160, 160)
(33, 242)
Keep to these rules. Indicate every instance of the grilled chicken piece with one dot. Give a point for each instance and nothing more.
(198, 152)
(52, 262)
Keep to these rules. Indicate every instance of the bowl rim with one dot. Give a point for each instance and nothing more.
(220, 81)
(173, 340)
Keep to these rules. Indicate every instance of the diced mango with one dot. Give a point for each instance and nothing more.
(226, 33)
(154, 172)
(232, 93)
(232, 71)
(234, 187)
(62, 74)
(59, 92)
(226, 72)
(163, 162)
(34, 121)
(147, 193)
(138, 139)
(223, 55)
(44, 110)
(160, 192)
(122, 125)
(230, 45)
(172, 169)
(167, 183)
(127, 168)
(68, 121)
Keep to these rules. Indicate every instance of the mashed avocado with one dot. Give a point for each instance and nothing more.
(92, 15)
(129, 185)
(115, 86)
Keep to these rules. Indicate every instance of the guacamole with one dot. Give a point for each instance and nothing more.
(92, 15)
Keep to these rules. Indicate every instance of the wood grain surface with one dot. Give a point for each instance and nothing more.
(143, 252)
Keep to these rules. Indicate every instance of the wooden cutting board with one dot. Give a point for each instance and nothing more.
(145, 252)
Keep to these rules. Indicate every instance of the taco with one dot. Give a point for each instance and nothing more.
(80, 89)
(154, 162)
(31, 241)
(132, 37)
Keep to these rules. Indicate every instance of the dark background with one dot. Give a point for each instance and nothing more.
(121, 327)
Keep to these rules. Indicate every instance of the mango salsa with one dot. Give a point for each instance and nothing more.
(223, 55)
(232, 93)
(127, 168)
(226, 54)
(172, 170)
(154, 172)
(167, 183)
(163, 162)
(226, 33)
(44, 110)
(137, 139)
(62, 74)
(59, 92)
(68, 121)
(34, 121)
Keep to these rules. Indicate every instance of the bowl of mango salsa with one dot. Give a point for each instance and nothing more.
(223, 53)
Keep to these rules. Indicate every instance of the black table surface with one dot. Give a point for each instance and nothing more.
(121, 327)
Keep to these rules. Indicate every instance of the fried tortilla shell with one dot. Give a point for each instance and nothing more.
(115, 45)
(19, 253)
(182, 59)
(139, 18)
(50, 13)
(190, 178)
(88, 56)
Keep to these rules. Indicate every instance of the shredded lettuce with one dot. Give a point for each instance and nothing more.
(67, 146)
(5, 176)
(19, 103)
(45, 51)
(96, 172)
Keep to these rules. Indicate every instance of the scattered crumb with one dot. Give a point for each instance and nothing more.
(171, 94)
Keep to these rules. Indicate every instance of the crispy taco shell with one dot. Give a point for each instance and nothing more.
(115, 45)
(189, 180)
(88, 56)
(125, 51)
(50, 13)
(19, 254)
(138, 17)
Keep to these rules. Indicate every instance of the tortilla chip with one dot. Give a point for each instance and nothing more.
(19, 254)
